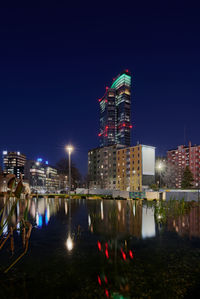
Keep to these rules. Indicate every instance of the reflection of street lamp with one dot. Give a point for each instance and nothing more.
(69, 149)
(69, 243)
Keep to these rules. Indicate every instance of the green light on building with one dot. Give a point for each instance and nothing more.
(122, 80)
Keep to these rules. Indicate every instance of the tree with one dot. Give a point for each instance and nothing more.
(86, 181)
(63, 169)
(187, 179)
(154, 187)
(169, 176)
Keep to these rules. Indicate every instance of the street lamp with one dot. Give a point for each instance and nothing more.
(69, 242)
(160, 167)
(69, 149)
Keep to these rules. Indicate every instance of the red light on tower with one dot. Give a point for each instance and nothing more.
(106, 87)
(124, 125)
(130, 126)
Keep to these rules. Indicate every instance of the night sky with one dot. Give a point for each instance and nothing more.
(55, 62)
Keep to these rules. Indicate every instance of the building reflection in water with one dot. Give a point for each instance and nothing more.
(114, 222)
(148, 222)
(108, 217)
(102, 216)
(115, 217)
(187, 224)
(66, 208)
(39, 211)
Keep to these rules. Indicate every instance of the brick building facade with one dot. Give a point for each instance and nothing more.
(181, 157)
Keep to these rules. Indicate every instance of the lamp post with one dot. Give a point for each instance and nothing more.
(69, 242)
(160, 166)
(69, 149)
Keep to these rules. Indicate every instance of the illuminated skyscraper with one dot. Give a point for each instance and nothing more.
(13, 162)
(115, 112)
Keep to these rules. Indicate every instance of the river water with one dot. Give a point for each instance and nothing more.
(103, 249)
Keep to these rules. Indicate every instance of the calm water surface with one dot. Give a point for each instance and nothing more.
(104, 249)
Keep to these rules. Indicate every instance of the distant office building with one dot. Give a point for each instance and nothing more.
(115, 112)
(135, 167)
(178, 159)
(52, 179)
(126, 169)
(42, 176)
(38, 176)
(13, 162)
(102, 167)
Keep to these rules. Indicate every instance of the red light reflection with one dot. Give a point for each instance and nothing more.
(99, 245)
(99, 280)
(106, 292)
(131, 254)
(123, 255)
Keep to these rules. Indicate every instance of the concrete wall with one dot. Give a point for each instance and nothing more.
(124, 194)
(100, 191)
(114, 193)
(188, 195)
(152, 195)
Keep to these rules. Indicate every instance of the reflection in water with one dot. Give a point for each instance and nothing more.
(69, 243)
(66, 208)
(109, 234)
(102, 216)
(40, 211)
(106, 217)
(188, 224)
(38, 219)
(148, 222)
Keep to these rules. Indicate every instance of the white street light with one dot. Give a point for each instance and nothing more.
(69, 148)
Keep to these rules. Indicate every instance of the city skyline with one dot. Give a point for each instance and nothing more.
(55, 68)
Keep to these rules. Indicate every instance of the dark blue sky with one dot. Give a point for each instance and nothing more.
(55, 62)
